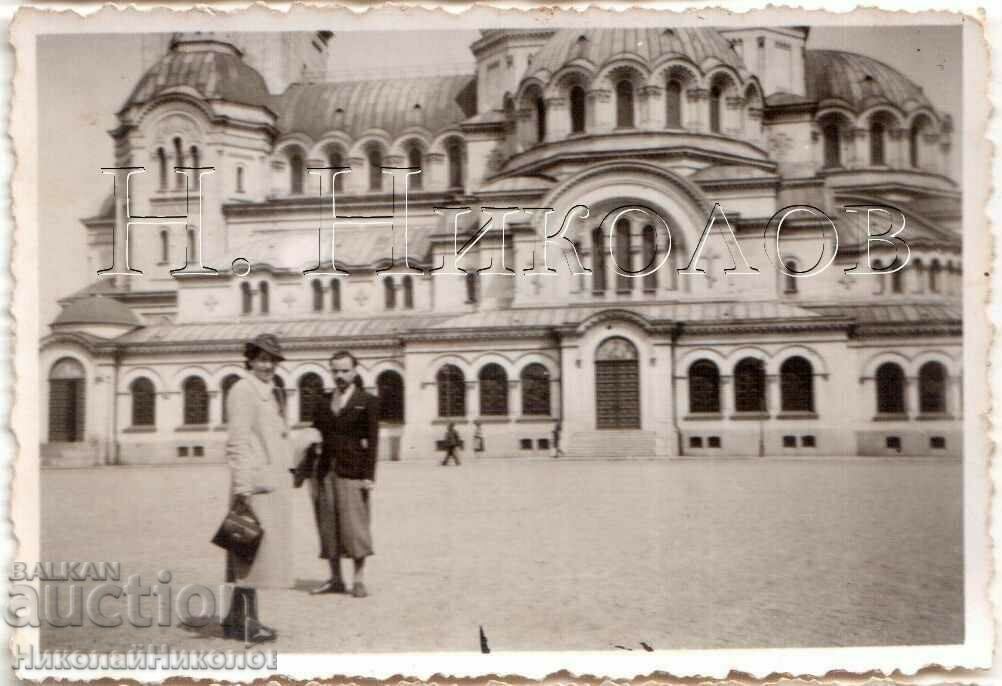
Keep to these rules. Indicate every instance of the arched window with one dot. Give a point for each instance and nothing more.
(472, 287)
(164, 246)
(178, 162)
(673, 104)
(335, 295)
(195, 162)
(624, 104)
(375, 159)
(246, 298)
(890, 389)
(535, 380)
(225, 387)
(408, 285)
(749, 386)
(456, 171)
(264, 303)
(790, 282)
(598, 277)
(493, 390)
(877, 144)
(389, 293)
(296, 171)
(716, 95)
(451, 391)
(832, 145)
(414, 159)
(390, 387)
(704, 387)
(67, 401)
(932, 388)
(311, 391)
(240, 179)
(624, 261)
(335, 159)
(196, 401)
(144, 406)
(162, 168)
(897, 283)
(796, 384)
(913, 145)
(650, 257)
(577, 109)
(540, 105)
(318, 296)
(934, 271)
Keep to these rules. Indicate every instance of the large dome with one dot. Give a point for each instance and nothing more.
(836, 77)
(96, 309)
(703, 47)
(206, 64)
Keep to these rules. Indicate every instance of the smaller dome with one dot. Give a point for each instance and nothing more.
(210, 66)
(96, 309)
(859, 81)
(701, 46)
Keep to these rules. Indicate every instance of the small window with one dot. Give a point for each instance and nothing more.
(789, 441)
(543, 443)
(893, 442)
(526, 443)
(198, 451)
(695, 441)
(713, 442)
(240, 179)
(937, 443)
(808, 441)
(182, 451)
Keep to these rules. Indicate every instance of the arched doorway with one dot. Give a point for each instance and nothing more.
(66, 401)
(617, 384)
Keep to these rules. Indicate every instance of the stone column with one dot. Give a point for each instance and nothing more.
(817, 149)
(472, 406)
(358, 180)
(732, 124)
(278, 176)
(757, 136)
(860, 152)
(726, 396)
(558, 119)
(911, 397)
(434, 171)
(598, 117)
(697, 109)
(773, 401)
(317, 179)
(652, 108)
(929, 159)
(514, 397)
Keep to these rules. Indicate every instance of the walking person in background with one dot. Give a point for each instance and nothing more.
(259, 453)
(349, 424)
(451, 444)
(478, 437)
(557, 450)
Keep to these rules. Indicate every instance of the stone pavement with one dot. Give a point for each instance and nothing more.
(550, 555)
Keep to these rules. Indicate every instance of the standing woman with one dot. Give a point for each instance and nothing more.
(259, 452)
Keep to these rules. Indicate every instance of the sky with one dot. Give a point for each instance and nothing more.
(85, 79)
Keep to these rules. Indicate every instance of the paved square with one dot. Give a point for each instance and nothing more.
(563, 555)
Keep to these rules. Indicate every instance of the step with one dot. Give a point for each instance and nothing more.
(625, 443)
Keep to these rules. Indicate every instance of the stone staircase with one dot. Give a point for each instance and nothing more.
(612, 443)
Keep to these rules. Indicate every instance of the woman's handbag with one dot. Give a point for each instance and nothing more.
(241, 532)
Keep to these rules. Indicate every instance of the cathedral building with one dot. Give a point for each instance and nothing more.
(648, 129)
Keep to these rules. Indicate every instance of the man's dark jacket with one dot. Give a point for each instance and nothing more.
(351, 438)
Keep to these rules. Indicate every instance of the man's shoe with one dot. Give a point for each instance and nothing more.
(358, 590)
(330, 586)
(256, 632)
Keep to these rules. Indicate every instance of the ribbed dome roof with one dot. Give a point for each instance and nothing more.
(213, 68)
(859, 81)
(96, 309)
(598, 46)
(387, 104)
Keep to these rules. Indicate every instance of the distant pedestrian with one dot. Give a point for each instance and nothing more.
(478, 437)
(557, 451)
(451, 444)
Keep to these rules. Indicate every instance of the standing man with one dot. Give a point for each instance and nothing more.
(557, 450)
(349, 424)
(451, 444)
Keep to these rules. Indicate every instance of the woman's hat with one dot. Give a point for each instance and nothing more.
(268, 342)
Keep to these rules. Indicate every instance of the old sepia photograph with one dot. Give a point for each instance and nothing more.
(630, 336)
